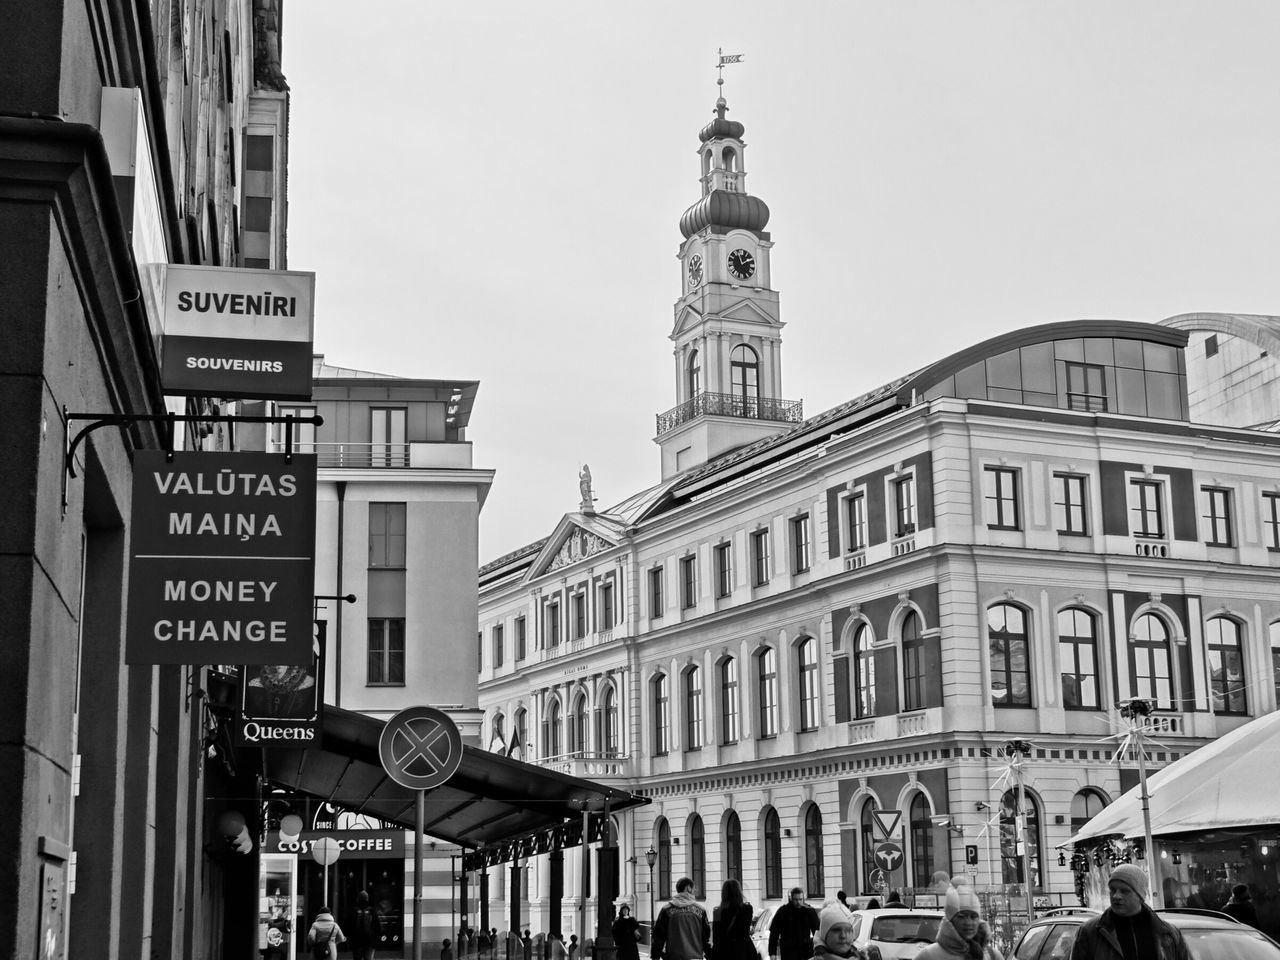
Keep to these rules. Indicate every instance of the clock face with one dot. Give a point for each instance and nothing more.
(742, 264)
(695, 270)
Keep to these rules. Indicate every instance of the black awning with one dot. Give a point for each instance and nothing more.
(507, 807)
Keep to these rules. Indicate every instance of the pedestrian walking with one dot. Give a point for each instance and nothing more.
(681, 931)
(835, 935)
(324, 936)
(626, 934)
(792, 928)
(1128, 928)
(731, 925)
(962, 935)
(366, 930)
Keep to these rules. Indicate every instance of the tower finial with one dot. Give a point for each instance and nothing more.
(721, 106)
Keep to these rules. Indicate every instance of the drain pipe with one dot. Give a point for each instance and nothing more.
(337, 633)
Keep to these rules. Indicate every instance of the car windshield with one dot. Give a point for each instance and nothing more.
(904, 928)
(1220, 944)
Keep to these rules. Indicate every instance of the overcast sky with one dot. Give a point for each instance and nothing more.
(491, 191)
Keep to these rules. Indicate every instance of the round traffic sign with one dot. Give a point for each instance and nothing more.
(888, 855)
(326, 851)
(420, 748)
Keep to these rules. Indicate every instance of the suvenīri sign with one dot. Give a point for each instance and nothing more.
(238, 332)
(222, 558)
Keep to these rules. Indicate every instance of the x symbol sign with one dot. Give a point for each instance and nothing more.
(420, 747)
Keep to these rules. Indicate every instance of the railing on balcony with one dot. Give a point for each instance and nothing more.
(592, 765)
(731, 405)
(384, 456)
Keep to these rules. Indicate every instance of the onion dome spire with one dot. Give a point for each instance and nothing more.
(725, 202)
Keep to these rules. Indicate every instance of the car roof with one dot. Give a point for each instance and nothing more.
(901, 911)
(1177, 917)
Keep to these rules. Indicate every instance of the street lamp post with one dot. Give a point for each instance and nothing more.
(651, 857)
(1136, 711)
(1015, 750)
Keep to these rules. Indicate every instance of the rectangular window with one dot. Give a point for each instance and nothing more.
(387, 529)
(800, 544)
(724, 569)
(761, 569)
(498, 650)
(605, 611)
(856, 523)
(386, 651)
(729, 701)
(522, 649)
(661, 717)
(1217, 516)
(304, 434)
(579, 601)
(1271, 519)
(387, 434)
(1069, 511)
(1146, 507)
(1086, 387)
(688, 582)
(1000, 489)
(259, 152)
(553, 625)
(904, 500)
(655, 593)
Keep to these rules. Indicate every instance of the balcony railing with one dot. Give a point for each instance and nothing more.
(384, 456)
(731, 405)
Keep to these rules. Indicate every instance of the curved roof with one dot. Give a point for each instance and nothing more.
(721, 129)
(1259, 328)
(721, 208)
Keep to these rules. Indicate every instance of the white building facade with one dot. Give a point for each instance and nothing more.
(808, 620)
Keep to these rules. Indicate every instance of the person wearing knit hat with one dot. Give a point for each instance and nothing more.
(835, 934)
(1128, 929)
(961, 935)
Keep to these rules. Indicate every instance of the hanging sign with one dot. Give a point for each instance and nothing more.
(237, 332)
(222, 559)
(280, 704)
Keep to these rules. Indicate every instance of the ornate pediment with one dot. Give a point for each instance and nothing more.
(578, 545)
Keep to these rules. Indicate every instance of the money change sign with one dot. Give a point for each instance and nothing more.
(222, 558)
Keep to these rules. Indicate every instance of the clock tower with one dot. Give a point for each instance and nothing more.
(727, 333)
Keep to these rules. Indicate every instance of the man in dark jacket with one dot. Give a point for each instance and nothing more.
(1129, 929)
(682, 931)
(792, 928)
(1241, 905)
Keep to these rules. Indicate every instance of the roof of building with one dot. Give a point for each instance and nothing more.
(461, 394)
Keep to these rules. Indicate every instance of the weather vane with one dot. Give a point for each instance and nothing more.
(725, 58)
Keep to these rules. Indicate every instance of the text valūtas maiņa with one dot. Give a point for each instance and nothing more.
(222, 558)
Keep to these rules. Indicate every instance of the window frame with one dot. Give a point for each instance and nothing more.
(609, 722)
(688, 582)
(388, 526)
(553, 623)
(578, 606)
(1142, 510)
(766, 661)
(1005, 669)
(864, 673)
(723, 553)
(814, 865)
(1070, 646)
(1064, 508)
(855, 527)
(694, 726)
(522, 637)
(801, 545)
(913, 674)
(385, 653)
(1217, 516)
(698, 856)
(905, 512)
(761, 569)
(661, 701)
(730, 701)
(498, 642)
(605, 612)
(1090, 398)
(1000, 492)
(1137, 644)
(1271, 519)
(1227, 696)
(732, 846)
(808, 690)
(657, 602)
(772, 830)
(920, 825)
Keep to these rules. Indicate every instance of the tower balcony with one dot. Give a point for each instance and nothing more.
(731, 405)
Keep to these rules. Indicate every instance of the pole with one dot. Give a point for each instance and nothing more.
(586, 880)
(1157, 900)
(419, 827)
(1024, 857)
(325, 868)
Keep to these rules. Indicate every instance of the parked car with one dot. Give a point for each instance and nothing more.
(1210, 936)
(898, 933)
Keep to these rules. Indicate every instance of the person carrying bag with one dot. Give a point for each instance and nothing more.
(324, 936)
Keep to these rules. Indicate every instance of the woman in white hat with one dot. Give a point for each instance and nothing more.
(962, 935)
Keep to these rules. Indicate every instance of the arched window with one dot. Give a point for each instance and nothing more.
(864, 673)
(1085, 805)
(867, 841)
(697, 857)
(1009, 839)
(1078, 651)
(1226, 665)
(772, 855)
(664, 859)
(695, 374)
(519, 734)
(551, 736)
(729, 700)
(1149, 661)
(729, 158)
(578, 726)
(813, 872)
(693, 708)
(499, 732)
(767, 683)
(1010, 656)
(609, 719)
(919, 814)
(744, 372)
(661, 716)
(913, 678)
(807, 679)
(732, 847)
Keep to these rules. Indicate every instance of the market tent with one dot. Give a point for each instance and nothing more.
(1232, 782)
